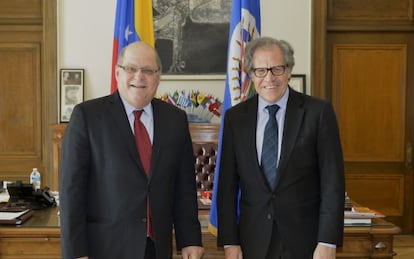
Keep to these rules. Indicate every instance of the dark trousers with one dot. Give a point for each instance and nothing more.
(150, 249)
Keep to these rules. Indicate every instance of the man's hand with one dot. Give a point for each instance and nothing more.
(233, 252)
(324, 252)
(192, 252)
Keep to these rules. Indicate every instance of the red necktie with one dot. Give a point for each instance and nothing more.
(144, 147)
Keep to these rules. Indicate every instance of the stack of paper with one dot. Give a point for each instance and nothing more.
(361, 216)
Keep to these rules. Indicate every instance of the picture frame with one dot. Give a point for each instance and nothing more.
(71, 91)
(298, 83)
(187, 32)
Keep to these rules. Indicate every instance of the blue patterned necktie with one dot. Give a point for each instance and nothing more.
(270, 146)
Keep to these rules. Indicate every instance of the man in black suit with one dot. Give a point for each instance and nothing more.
(299, 212)
(104, 188)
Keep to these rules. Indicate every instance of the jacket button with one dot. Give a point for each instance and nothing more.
(269, 216)
(144, 220)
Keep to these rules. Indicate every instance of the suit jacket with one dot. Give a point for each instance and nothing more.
(104, 188)
(308, 201)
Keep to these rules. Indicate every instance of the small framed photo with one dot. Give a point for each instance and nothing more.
(71, 91)
(298, 83)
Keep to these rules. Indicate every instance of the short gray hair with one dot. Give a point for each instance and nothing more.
(263, 43)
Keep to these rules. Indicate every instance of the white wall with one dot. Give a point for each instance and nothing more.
(85, 37)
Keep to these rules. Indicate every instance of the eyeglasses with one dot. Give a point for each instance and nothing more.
(276, 70)
(133, 70)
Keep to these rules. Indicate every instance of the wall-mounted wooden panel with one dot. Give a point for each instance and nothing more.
(372, 129)
(20, 9)
(20, 116)
(370, 10)
(371, 85)
(386, 192)
(28, 87)
(20, 108)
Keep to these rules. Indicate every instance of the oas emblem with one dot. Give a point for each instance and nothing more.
(239, 83)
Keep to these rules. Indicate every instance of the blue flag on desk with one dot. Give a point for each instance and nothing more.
(244, 26)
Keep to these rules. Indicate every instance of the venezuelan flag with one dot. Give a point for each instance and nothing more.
(133, 22)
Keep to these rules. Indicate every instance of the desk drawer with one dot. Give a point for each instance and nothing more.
(33, 248)
(366, 246)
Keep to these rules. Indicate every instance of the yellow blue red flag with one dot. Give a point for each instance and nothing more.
(133, 22)
(244, 26)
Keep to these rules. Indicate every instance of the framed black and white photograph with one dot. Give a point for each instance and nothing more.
(71, 91)
(298, 82)
(191, 37)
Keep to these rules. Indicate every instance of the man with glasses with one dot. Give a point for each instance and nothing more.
(127, 171)
(281, 180)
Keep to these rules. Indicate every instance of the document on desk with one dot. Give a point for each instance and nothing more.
(15, 218)
(11, 215)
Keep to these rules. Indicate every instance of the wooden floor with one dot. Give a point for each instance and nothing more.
(404, 246)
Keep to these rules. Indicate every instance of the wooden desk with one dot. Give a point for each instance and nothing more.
(39, 238)
(374, 241)
(211, 251)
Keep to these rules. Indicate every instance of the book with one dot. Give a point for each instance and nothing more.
(360, 216)
(13, 217)
(357, 221)
(358, 212)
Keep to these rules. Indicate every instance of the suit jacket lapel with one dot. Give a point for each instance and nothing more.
(250, 130)
(118, 114)
(248, 135)
(159, 128)
(293, 122)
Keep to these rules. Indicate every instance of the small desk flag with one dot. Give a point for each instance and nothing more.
(133, 22)
(244, 26)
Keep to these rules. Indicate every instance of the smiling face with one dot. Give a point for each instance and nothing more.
(271, 88)
(135, 84)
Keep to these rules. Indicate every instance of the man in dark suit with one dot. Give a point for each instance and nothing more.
(296, 212)
(106, 189)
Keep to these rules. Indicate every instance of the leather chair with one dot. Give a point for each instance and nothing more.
(205, 164)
